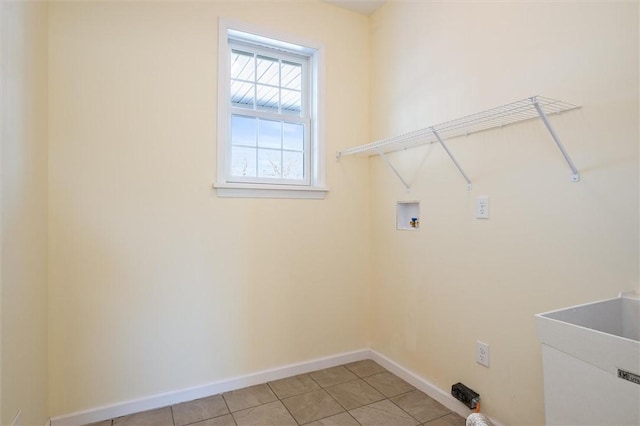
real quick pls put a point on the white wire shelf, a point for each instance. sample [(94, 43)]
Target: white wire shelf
[(515, 112)]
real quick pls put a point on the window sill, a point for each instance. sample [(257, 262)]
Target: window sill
[(240, 190)]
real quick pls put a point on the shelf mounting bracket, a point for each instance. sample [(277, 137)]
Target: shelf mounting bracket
[(575, 175), (386, 160), (444, 146)]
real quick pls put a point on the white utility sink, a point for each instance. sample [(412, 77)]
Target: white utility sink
[(591, 360)]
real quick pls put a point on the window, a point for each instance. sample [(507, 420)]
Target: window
[(269, 119), (270, 122)]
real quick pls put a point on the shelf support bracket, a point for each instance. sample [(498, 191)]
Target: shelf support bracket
[(575, 175), (386, 160), (444, 146)]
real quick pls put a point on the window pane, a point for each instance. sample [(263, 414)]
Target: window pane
[(268, 70), (243, 161), (293, 165), (293, 136), (268, 98), (243, 130), (291, 75), (269, 134), (269, 163), (269, 114), (291, 102), (242, 66), (242, 94)]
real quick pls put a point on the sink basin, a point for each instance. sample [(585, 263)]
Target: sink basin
[(619, 317), (591, 360)]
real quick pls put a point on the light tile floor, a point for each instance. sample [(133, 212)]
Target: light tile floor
[(359, 393)]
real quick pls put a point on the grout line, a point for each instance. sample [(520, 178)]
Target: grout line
[(289, 411), (335, 400), (348, 381), (228, 409), (314, 380), (282, 403), (225, 403), (436, 418), (351, 381), (304, 393), (409, 391), (273, 391), (403, 410), (173, 419), (342, 412), (201, 420), (354, 419)]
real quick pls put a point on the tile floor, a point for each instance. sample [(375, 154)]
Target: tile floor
[(359, 393)]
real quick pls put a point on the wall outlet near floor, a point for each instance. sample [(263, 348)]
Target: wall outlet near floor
[(482, 353)]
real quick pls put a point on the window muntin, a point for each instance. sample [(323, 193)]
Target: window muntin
[(263, 148), (269, 116)]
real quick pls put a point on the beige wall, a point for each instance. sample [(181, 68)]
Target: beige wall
[(156, 284), (24, 211), (549, 242)]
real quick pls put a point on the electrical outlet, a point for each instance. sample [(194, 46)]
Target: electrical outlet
[(482, 207), (482, 353)]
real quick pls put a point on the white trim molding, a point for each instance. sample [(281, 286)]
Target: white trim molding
[(422, 384), (170, 398), (269, 191)]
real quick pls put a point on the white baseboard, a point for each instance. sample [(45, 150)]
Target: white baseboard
[(165, 399), (170, 398), (425, 386)]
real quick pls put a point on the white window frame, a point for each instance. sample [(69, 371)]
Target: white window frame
[(270, 188)]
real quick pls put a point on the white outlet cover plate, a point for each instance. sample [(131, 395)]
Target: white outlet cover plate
[(482, 353), (482, 207)]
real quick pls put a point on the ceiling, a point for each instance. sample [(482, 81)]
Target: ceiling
[(366, 7)]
